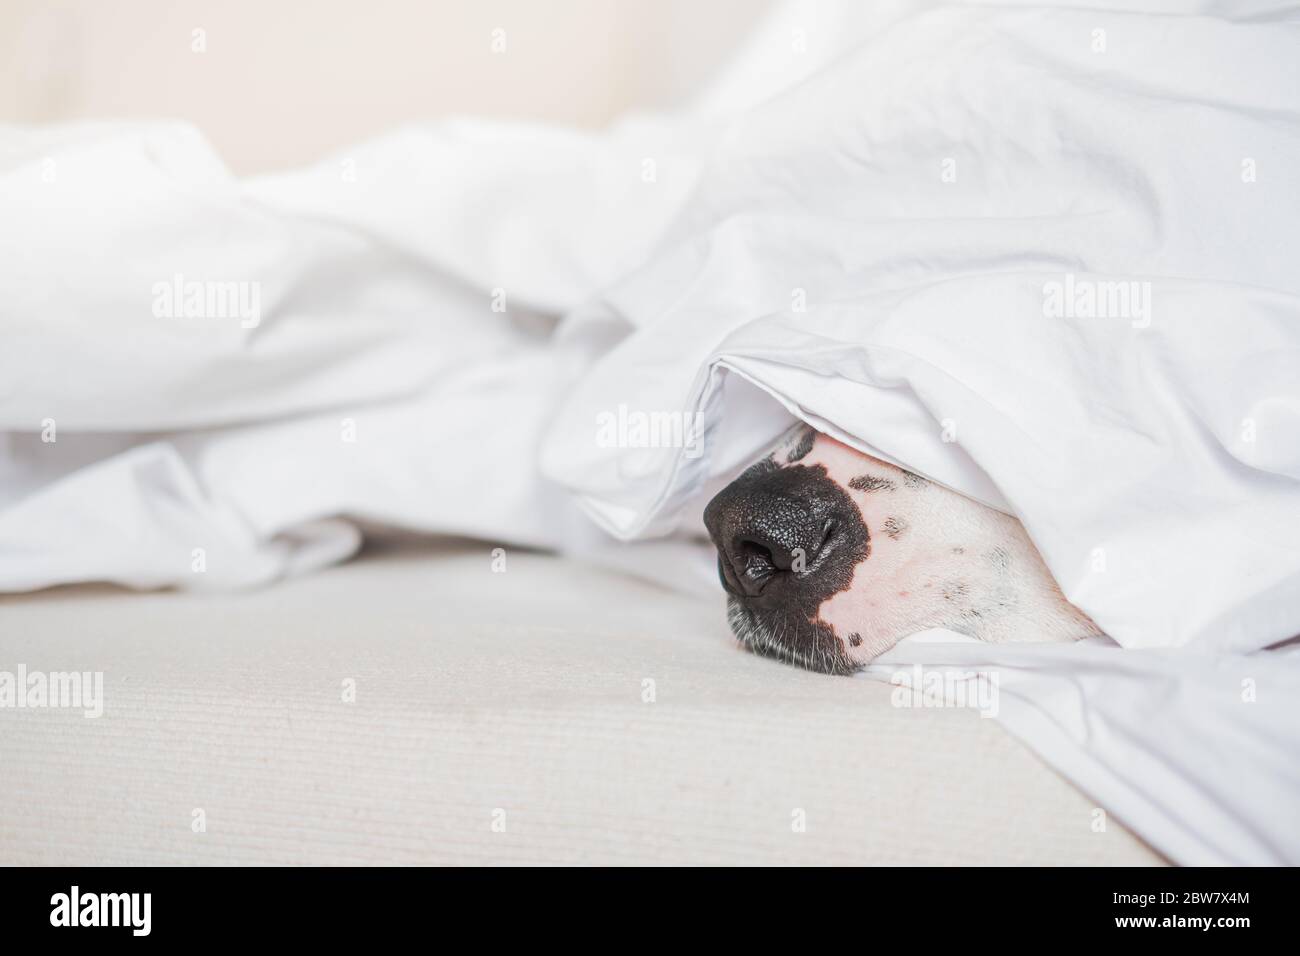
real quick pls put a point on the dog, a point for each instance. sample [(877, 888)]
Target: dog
[(829, 557)]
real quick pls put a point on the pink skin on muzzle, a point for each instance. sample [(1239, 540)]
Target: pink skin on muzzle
[(830, 557)]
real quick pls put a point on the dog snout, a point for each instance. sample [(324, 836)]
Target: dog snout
[(771, 528)]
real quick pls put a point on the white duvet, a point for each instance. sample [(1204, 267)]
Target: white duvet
[(1045, 256)]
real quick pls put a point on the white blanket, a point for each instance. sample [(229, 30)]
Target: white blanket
[(1042, 256)]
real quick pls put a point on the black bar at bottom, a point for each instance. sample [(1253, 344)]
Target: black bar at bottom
[(335, 906)]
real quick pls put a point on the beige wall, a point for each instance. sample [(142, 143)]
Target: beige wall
[(281, 81)]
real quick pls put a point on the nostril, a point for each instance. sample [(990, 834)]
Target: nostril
[(772, 531), (756, 562), (757, 566), (828, 529)]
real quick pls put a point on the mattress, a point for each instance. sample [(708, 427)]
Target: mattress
[(441, 705)]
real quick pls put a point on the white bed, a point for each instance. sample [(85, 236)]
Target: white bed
[(476, 691)]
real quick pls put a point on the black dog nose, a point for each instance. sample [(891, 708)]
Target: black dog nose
[(769, 526)]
